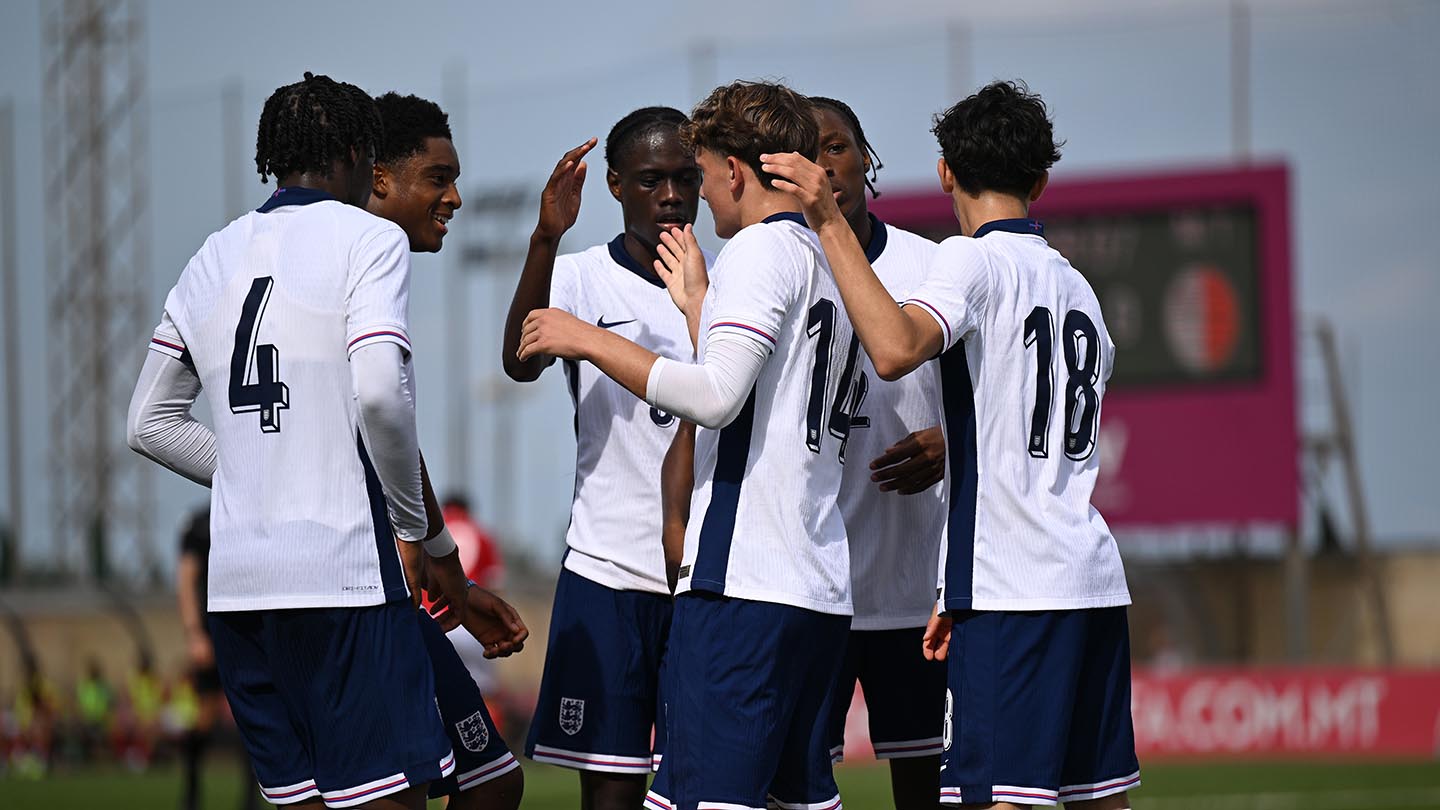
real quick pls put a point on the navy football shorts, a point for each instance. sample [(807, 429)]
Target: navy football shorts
[(1038, 707)]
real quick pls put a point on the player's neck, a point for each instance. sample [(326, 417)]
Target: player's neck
[(643, 254), (860, 223), (756, 205), (334, 185), (974, 211)]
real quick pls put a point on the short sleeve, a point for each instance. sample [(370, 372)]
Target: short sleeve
[(956, 288), (378, 292), (754, 282), (166, 339), (565, 283)]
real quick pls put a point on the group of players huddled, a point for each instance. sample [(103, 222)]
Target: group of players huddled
[(772, 476)]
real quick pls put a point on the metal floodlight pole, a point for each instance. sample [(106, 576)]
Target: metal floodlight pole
[(1240, 80), (96, 149)]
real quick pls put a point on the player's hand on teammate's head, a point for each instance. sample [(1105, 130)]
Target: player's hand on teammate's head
[(682, 267), (802, 178), (936, 643), (560, 200), (494, 623), (554, 333), (913, 464)]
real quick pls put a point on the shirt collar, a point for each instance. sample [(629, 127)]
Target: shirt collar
[(293, 195), (622, 257), (1030, 227), (879, 235), (793, 216)]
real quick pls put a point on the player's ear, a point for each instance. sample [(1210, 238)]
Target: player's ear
[(379, 181), (612, 179), (947, 180), (737, 177), (1039, 187)]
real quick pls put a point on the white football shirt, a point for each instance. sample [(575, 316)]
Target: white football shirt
[(620, 440), (268, 312), (1025, 360), (764, 522), (894, 539)]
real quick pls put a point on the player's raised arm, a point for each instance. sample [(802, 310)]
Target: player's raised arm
[(897, 340), (559, 207)]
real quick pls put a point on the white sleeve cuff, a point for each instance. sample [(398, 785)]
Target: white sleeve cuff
[(711, 393), (441, 544)]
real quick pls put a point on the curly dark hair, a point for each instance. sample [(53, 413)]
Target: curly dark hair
[(843, 110), (408, 121), (629, 130), (307, 126), (999, 139), (748, 119)]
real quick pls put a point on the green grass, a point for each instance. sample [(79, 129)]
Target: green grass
[(1229, 786)]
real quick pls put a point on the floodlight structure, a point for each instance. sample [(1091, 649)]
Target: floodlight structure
[(96, 130)]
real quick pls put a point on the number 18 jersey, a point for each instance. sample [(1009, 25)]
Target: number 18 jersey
[(1023, 371), (764, 520), (267, 313)]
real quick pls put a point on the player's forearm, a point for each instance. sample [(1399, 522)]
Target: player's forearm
[(677, 482), (387, 426), (159, 425), (619, 359), (712, 393), (532, 292), (895, 344)]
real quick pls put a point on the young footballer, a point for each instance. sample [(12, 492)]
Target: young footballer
[(414, 186), (293, 320), (599, 694), (1038, 708), (894, 512), (764, 588)]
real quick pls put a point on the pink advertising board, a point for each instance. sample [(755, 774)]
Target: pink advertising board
[(1192, 268)]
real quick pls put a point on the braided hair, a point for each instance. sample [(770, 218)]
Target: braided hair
[(872, 159), (307, 126), (632, 128), (408, 121)]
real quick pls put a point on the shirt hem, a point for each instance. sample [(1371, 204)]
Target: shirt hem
[(602, 572), (774, 597), (874, 623), (1040, 603), (238, 605)]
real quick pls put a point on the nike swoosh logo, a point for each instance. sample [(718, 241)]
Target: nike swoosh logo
[(603, 325)]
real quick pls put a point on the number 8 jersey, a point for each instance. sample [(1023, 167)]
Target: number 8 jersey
[(1023, 371), (267, 314), (764, 520)]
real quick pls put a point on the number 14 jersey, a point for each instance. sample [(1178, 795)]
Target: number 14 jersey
[(764, 520), (1023, 371), (267, 313)]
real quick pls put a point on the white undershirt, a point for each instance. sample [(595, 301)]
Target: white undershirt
[(712, 392)]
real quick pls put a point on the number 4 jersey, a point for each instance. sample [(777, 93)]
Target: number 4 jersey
[(267, 313), (764, 522), (1023, 371)]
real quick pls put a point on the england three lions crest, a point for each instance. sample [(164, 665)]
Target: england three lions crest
[(572, 715), (474, 734)]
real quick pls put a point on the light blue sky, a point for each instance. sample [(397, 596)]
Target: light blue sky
[(1343, 91)]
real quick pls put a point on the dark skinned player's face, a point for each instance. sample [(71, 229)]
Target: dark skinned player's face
[(844, 161), (418, 193), (658, 187)]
